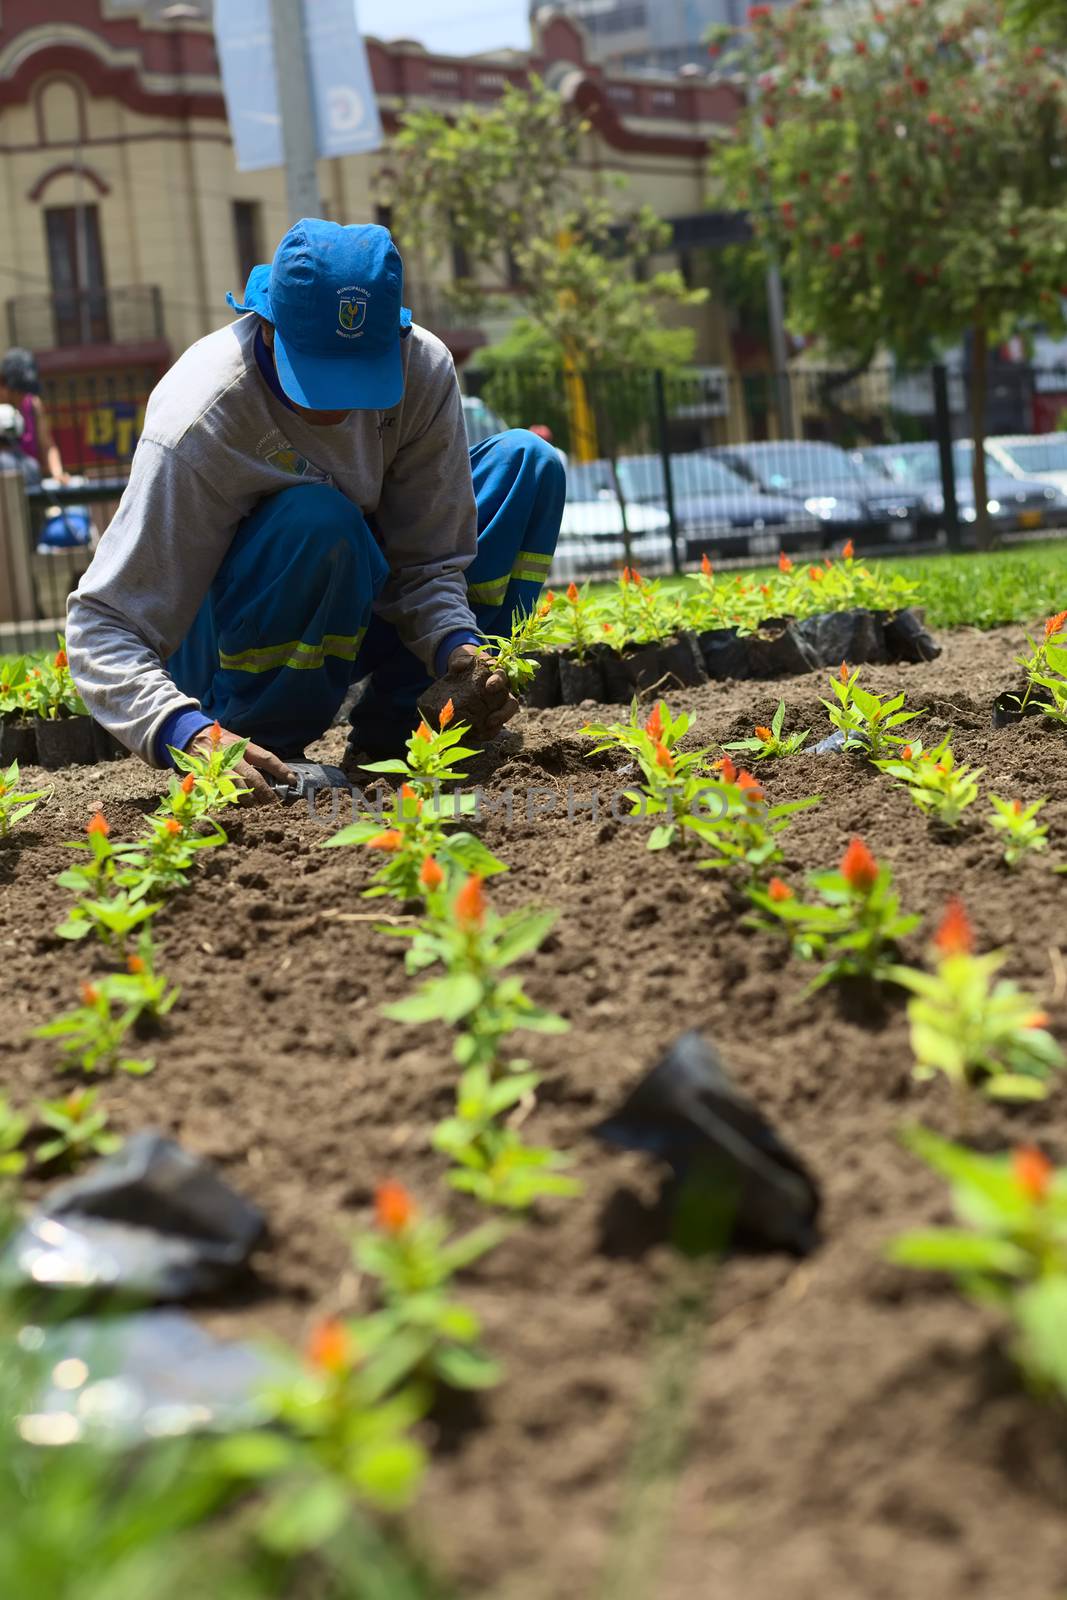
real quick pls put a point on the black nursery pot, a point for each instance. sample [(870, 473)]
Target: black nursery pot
[(1008, 707), (724, 654), (907, 637), (66, 742), (581, 680), (544, 690), (779, 651), (18, 742), (619, 676), (668, 664), (834, 636)]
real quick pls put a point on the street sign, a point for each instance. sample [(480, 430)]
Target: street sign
[(342, 91)]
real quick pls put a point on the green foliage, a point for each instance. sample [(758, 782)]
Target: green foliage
[(78, 1126), (208, 784), (940, 786), (855, 925), (492, 1161), (49, 690), (530, 632), (769, 744), (866, 719), (94, 1032), (1010, 1249), (1046, 671), (112, 920), (14, 806), (13, 1130), (1023, 834), (980, 1031)]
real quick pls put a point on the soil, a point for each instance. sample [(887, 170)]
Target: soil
[(827, 1429)]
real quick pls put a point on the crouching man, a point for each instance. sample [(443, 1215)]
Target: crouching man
[(303, 511)]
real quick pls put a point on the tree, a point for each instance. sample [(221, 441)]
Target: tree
[(909, 165), (504, 183)]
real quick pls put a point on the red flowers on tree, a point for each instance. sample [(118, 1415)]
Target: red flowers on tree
[(859, 868)]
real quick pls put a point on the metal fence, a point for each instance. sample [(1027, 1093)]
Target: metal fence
[(661, 469)]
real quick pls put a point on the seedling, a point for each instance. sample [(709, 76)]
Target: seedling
[(855, 925), (13, 1130), (492, 1161), (208, 785), (768, 743), (162, 861), (113, 920), (1046, 670), (15, 806), (978, 1031), (741, 828), (421, 1331), (941, 786), (1010, 1249), (867, 720), (141, 990), (79, 1126), (477, 995), (412, 836), (575, 621), (95, 1031), (52, 689), (530, 632), (1023, 834)]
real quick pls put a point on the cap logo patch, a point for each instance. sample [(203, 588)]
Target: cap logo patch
[(351, 314)]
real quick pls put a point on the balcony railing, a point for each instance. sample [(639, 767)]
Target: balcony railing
[(131, 315)]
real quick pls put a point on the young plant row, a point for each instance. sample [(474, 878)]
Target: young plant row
[(638, 611), (39, 685)]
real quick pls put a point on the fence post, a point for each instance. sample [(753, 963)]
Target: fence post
[(665, 457), (17, 598), (943, 433)]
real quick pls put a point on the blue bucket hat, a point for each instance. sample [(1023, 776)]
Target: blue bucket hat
[(333, 295)]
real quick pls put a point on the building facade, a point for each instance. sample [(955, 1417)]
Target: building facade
[(128, 220), (664, 36)]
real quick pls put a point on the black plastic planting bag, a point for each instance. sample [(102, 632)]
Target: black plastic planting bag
[(724, 654), (65, 742), (908, 638), (152, 1221), (852, 636), (839, 742), (688, 1113), (779, 651), (544, 690), (668, 664), (121, 1380), (581, 680), (18, 742)]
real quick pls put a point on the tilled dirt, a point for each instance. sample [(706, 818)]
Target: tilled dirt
[(837, 1428)]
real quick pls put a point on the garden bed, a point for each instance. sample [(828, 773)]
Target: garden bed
[(853, 1430)]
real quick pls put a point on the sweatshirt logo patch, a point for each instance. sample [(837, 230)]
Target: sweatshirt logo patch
[(291, 461)]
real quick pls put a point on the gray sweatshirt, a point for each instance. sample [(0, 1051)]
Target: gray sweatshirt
[(215, 442)]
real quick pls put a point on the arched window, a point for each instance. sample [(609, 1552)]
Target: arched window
[(61, 111)]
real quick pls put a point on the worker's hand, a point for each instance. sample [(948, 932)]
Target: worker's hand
[(250, 769), (480, 696)]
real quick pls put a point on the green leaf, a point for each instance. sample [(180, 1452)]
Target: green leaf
[(387, 1473), (440, 1000), (523, 935), (306, 1516), (462, 1368), (955, 1250)]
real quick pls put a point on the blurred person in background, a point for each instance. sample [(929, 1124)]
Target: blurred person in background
[(20, 387), (543, 431)]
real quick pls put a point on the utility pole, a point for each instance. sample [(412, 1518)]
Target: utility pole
[(296, 108)]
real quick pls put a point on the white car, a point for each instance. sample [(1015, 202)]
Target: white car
[(591, 539), (1032, 455)]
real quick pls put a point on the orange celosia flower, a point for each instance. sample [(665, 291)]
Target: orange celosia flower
[(448, 711), (607, 627), (135, 965), (471, 903), (330, 1347), (815, 574), (1055, 624), (408, 794), (764, 733), (764, 588), (905, 754), (431, 876), (90, 994), (1033, 1171), (635, 577), (60, 659), (423, 732), (394, 1208), (572, 593), (842, 672), (98, 824), (784, 563), (777, 890), (654, 725), (1017, 808), (172, 826), (188, 783), (858, 867), (550, 598), (389, 841), (214, 734), (1036, 1019), (849, 551), (664, 759), (625, 577), (705, 565), (728, 769), (955, 936)]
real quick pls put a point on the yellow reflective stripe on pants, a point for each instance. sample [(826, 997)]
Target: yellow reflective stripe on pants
[(296, 655), (530, 567)]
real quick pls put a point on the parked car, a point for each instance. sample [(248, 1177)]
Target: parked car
[(482, 422), (1034, 455), (1014, 502), (591, 540), (717, 511), (847, 498)]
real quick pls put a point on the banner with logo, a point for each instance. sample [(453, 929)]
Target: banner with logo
[(342, 90)]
